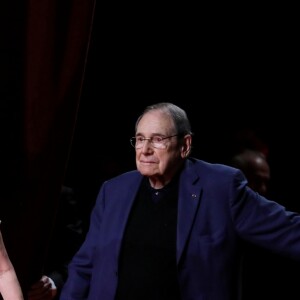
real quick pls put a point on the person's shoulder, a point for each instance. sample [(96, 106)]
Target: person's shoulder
[(125, 177), (205, 166), (220, 173), (122, 183)]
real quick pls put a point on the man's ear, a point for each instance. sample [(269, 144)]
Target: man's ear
[(186, 146)]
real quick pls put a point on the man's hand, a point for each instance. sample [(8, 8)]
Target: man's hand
[(44, 289)]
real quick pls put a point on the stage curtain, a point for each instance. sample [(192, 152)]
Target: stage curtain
[(45, 50)]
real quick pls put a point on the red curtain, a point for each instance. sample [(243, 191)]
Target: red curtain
[(46, 46)]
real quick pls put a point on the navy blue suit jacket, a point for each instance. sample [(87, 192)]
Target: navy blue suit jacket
[(216, 212)]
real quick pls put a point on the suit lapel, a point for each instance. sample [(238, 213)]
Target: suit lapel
[(188, 204)]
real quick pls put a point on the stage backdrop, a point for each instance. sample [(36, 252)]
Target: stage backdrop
[(45, 49)]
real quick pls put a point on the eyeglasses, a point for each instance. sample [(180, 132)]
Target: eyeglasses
[(156, 141)]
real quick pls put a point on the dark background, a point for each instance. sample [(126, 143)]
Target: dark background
[(228, 70)]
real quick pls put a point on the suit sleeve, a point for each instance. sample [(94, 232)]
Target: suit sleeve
[(264, 222)]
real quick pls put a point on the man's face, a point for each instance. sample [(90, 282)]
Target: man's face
[(159, 164), (259, 177)]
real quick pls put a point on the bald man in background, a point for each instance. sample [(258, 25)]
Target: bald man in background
[(256, 168)]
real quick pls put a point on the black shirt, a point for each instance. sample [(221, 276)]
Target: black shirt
[(147, 267)]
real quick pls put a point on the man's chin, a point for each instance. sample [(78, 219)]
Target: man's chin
[(146, 172)]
